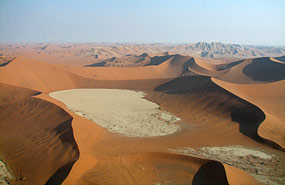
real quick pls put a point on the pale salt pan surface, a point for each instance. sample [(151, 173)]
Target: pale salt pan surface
[(4, 174), (120, 111)]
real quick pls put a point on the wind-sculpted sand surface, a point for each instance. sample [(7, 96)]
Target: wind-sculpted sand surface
[(263, 166), (215, 121), (120, 111)]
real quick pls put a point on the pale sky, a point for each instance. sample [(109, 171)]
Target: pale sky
[(257, 22)]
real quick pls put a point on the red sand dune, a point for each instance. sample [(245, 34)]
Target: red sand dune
[(211, 114), (254, 71), (36, 140)]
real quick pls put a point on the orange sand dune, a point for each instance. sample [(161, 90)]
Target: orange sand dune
[(5, 60), (10, 93), (200, 67), (175, 66), (270, 98), (64, 59), (158, 168), (36, 75), (37, 140), (211, 116), (254, 71), (47, 77)]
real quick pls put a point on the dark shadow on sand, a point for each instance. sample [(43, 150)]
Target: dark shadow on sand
[(60, 174), (265, 70), (211, 173)]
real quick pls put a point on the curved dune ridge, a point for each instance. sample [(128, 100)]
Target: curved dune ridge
[(255, 71), (271, 99), (220, 103)]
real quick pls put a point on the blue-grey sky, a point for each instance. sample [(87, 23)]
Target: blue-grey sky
[(259, 22)]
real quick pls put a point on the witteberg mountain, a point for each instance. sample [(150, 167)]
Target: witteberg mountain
[(218, 50)]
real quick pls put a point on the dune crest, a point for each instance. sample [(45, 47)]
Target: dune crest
[(270, 98)]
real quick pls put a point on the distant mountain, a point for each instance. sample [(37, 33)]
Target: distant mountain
[(101, 52), (219, 50), (200, 49)]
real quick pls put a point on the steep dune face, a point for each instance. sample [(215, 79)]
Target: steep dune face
[(37, 140), (203, 100), (261, 82), (255, 71), (9, 93), (264, 87), (271, 99)]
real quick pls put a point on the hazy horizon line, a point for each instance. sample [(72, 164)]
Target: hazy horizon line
[(139, 43)]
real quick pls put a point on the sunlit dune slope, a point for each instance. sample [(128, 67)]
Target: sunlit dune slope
[(36, 75), (158, 168), (47, 77)]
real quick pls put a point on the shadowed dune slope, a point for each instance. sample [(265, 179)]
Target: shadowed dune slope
[(255, 71), (5, 60), (9, 93), (281, 59), (270, 98), (205, 97), (37, 140)]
